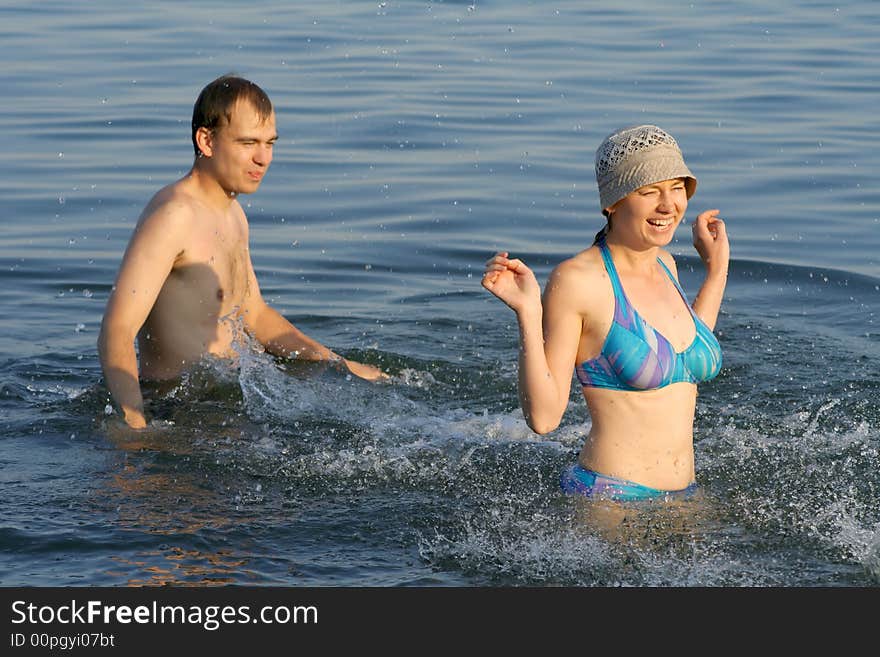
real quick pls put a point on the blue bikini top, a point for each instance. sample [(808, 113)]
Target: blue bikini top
[(635, 356)]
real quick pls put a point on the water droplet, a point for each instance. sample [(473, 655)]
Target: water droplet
[(108, 410)]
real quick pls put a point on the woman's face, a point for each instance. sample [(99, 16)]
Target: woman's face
[(650, 213)]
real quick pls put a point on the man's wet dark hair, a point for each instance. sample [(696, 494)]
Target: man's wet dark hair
[(214, 105)]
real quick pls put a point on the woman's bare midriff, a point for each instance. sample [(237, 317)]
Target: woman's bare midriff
[(643, 436)]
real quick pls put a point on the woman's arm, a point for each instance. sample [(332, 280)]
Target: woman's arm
[(710, 240), (549, 331)]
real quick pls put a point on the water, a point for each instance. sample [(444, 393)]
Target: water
[(416, 139)]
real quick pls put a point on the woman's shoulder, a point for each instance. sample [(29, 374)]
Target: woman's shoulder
[(588, 263), (668, 260), (576, 277)]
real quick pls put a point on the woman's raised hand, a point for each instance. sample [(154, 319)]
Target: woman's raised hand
[(511, 281), (710, 240)]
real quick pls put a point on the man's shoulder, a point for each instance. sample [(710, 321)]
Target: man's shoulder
[(171, 205)]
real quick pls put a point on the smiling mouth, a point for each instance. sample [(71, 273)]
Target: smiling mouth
[(660, 223)]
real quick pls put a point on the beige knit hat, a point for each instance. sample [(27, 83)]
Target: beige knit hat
[(637, 156)]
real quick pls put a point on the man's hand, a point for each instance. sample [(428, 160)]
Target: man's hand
[(367, 372), (135, 419)]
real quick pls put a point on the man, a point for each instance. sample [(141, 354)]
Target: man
[(186, 286)]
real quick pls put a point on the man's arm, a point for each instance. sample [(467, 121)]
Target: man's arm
[(156, 243), (281, 338)]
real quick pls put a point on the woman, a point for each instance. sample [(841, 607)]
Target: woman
[(615, 313)]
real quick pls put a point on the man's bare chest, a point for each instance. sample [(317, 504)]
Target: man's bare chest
[(214, 267)]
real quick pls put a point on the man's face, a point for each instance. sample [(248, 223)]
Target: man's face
[(242, 149)]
